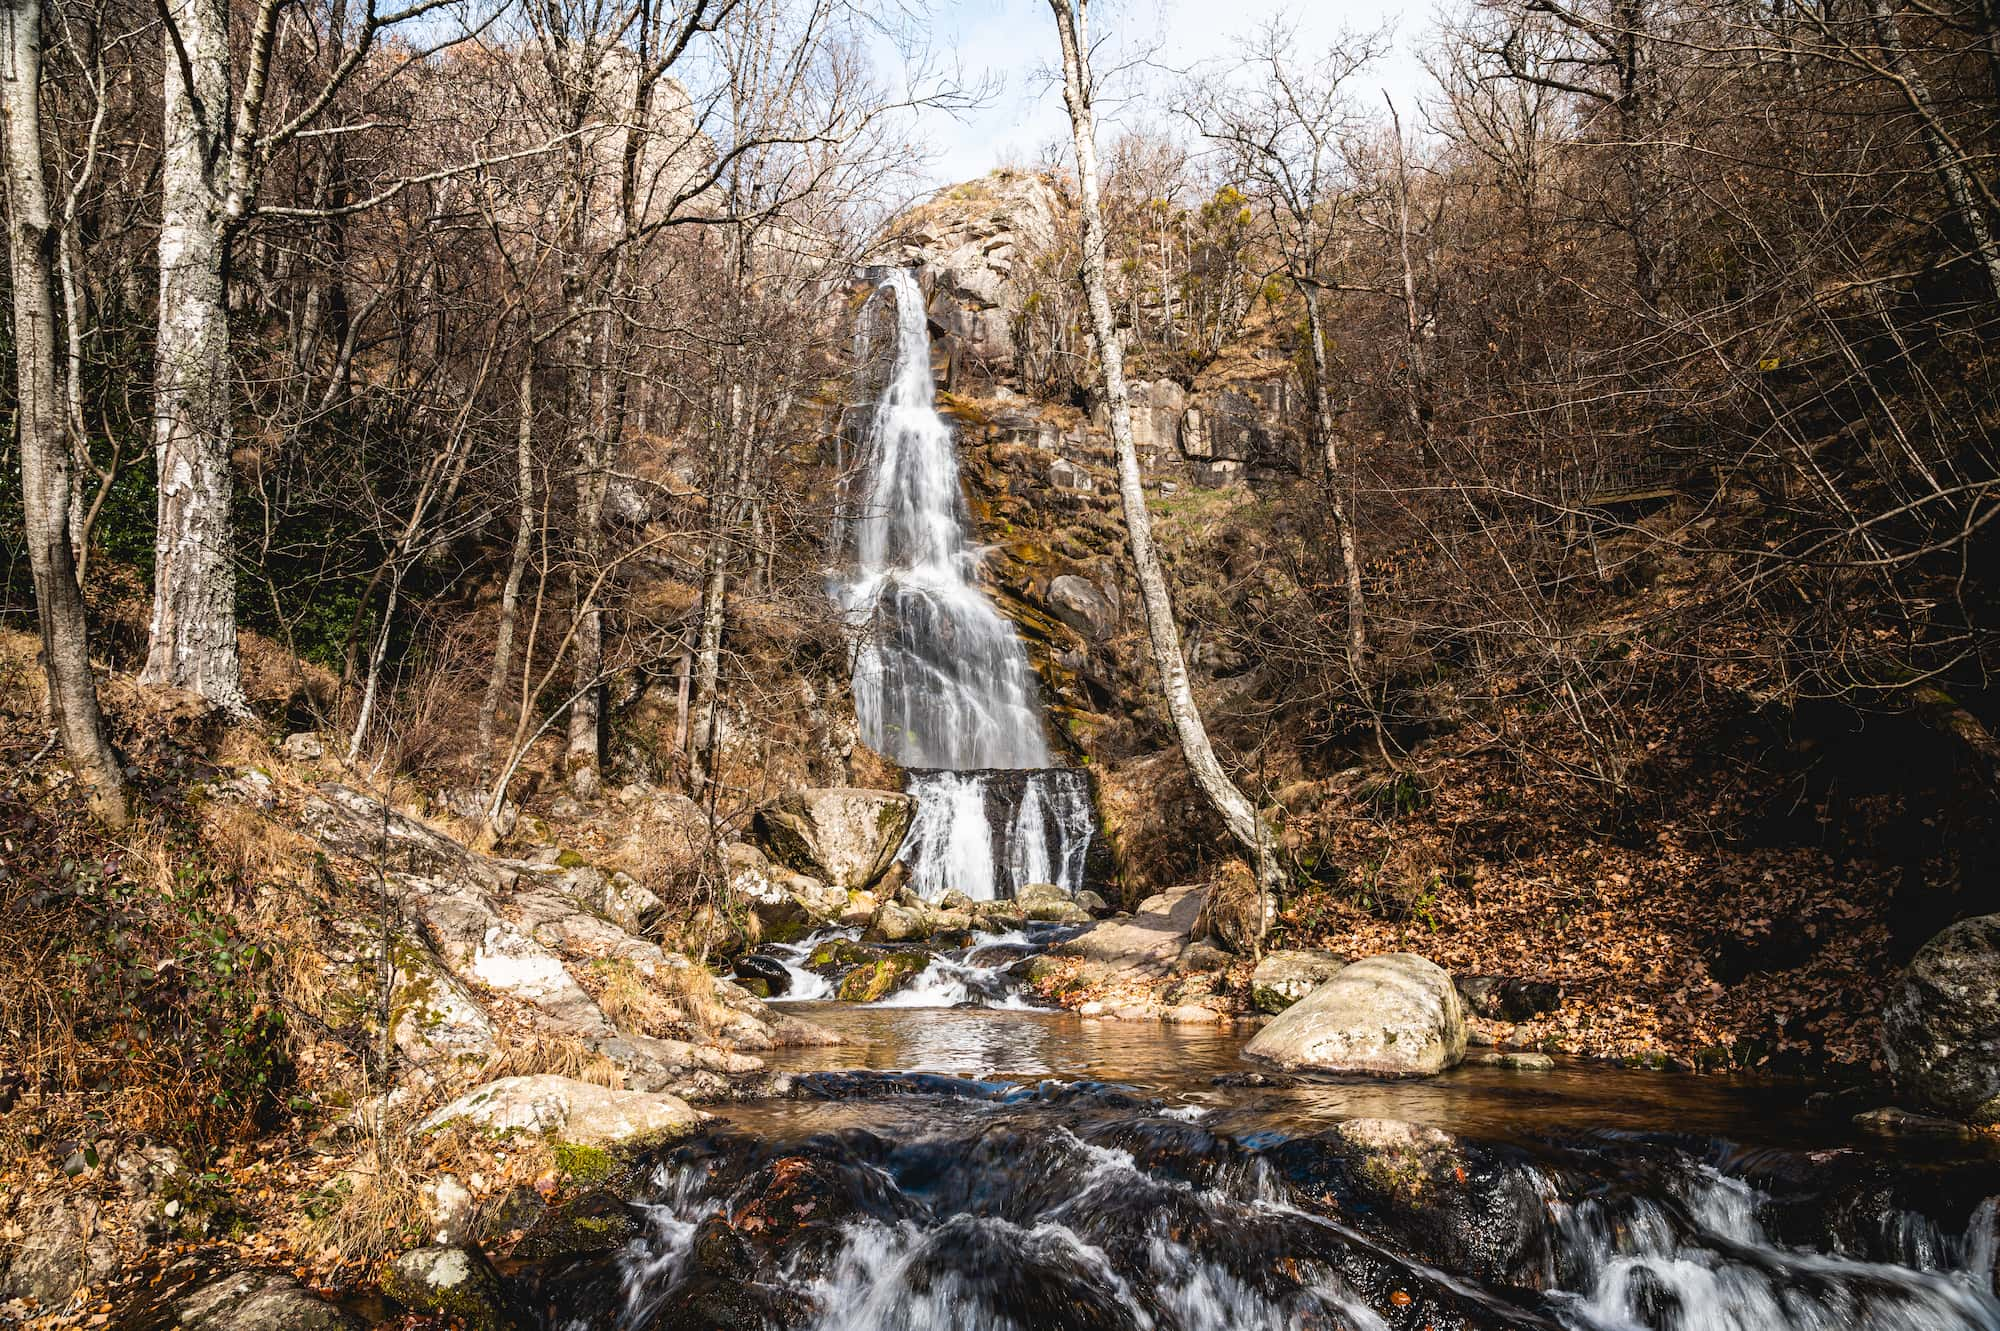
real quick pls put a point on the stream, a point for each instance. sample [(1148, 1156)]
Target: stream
[(986, 1169)]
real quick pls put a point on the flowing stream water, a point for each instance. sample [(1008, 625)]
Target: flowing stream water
[(942, 685), (988, 1170)]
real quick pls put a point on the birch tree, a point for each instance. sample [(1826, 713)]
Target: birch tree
[(214, 150), (1245, 823), (45, 462)]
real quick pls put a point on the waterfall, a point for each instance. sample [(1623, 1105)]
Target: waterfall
[(942, 685)]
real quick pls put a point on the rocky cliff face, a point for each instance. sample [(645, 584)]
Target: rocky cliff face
[(1042, 480), (970, 244), (975, 246)]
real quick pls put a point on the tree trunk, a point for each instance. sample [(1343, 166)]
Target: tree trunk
[(45, 473), (1329, 442), (1241, 817), (517, 565), (1946, 159), (192, 643)]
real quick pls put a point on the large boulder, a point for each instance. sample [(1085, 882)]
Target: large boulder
[(1283, 977), (567, 1109), (1079, 603), (1941, 1028), (878, 979), (255, 1300), (841, 835), (893, 922), (1394, 1015)]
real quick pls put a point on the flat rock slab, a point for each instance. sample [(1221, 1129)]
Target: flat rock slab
[(571, 1110), (1149, 943)]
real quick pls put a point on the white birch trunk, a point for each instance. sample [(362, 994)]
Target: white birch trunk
[(1241, 817), (192, 641), (45, 460)]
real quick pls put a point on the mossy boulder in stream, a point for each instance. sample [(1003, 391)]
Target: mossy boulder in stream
[(453, 1282), (880, 978)]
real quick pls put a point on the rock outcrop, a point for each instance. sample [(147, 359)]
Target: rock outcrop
[(1147, 944), (1394, 1015), (1941, 1028), (1284, 977), (261, 1301), (971, 244), (842, 835)]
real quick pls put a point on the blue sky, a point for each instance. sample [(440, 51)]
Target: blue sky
[(1013, 42)]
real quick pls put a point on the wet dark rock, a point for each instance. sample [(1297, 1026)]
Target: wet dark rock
[(596, 1222), (771, 971), (1894, 1122), (836, 956), (875, 981), (1941, 1028), (1459, 1204), (1505, 998), (1269, 1080)]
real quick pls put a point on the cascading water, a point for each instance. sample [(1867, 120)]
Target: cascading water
[(942, 685), (954, 1204)]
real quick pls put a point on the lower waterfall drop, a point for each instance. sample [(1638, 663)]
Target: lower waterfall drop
[(942, 685)]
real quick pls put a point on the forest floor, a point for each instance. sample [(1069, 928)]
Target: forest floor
[(1681, 935)]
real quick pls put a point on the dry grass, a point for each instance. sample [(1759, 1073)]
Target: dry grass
[(539, 1054), (634, 1001), (374, 1209)]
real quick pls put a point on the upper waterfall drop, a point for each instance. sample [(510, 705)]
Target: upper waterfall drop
[(942, 684), (940, 680)]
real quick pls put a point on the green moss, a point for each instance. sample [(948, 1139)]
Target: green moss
[(871, 983), (569, 859), (584, 1164)]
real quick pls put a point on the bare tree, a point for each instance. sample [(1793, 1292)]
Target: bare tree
[(1284, 125), (1238, 813), (45, 462)]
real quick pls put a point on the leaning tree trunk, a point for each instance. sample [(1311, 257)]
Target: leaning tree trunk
[(45, 490), (1947, 160), (1241, 816), (192, 641)]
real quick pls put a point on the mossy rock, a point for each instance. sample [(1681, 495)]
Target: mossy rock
[(879, 979), (839, 954), (585, 1164), (596, 1222), (569, 859)]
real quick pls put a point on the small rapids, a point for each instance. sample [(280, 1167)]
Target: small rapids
[(983, 972), (987, 1206)]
